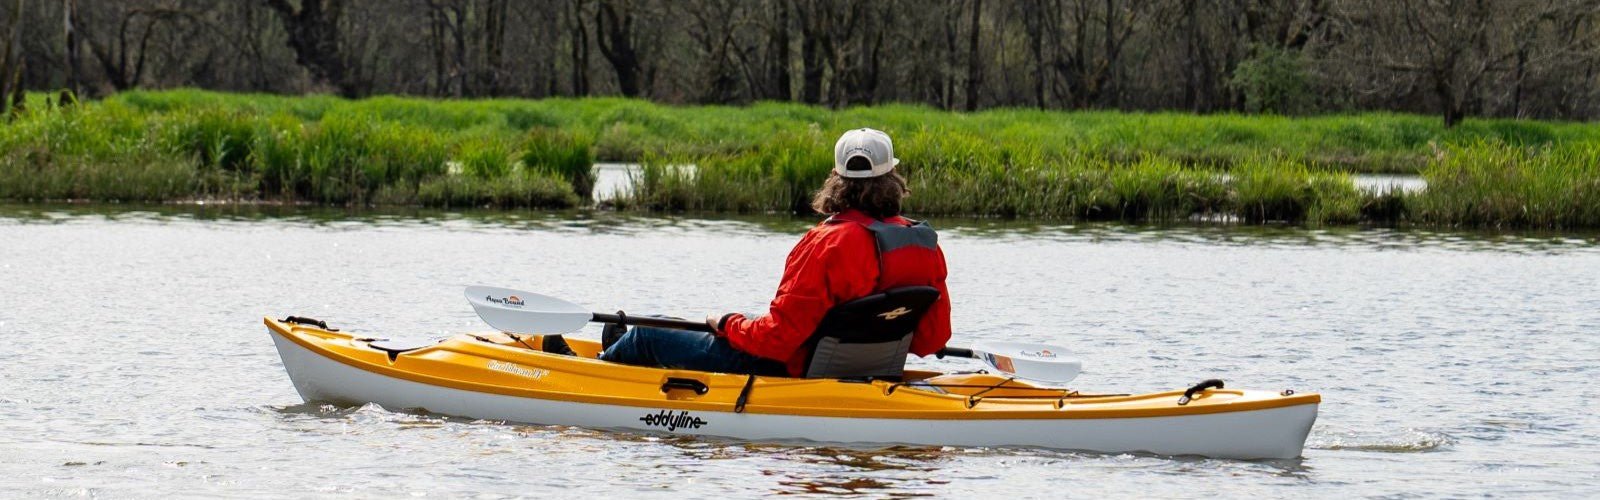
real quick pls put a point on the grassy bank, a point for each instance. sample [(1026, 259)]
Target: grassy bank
[(629, 130), (125, 149), (155, 146)]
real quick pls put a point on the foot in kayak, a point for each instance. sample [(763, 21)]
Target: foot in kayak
[(555, 344)]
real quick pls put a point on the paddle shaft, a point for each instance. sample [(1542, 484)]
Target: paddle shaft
[(698, 326), (956, 352), (658, 322)]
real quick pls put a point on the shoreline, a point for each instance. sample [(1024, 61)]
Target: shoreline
[(783, 222), (209, 147)]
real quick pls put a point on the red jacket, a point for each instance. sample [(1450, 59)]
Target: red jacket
[(837, 261)]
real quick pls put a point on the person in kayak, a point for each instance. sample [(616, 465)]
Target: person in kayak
[(864, 247)]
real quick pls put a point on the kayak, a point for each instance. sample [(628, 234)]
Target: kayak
[(503, 376)]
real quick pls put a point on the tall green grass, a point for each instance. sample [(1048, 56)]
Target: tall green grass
[(1265, 192), (769, 157), (777, 176), (1504, 185), (564, 155), (135, 178), (186, 144), (628, 130)]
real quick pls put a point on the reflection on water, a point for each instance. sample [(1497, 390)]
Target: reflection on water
[(1020, 231), (135, 363)]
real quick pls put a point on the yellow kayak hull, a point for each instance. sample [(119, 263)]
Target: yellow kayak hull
[(500, 377)]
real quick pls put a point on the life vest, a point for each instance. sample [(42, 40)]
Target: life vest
[(908, 250)]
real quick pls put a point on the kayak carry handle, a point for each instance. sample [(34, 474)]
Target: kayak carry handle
[(685, 383), (301, 320), (1210, 383)]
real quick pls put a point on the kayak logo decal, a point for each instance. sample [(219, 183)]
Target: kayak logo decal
[(518, 370), (895, 314), (512, 300), (672, 421), (1042, 353)]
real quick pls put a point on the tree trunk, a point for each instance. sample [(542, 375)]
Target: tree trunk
[(580, 50), (19, 97), (974, 61), (947, 75), (1199, 75), (494, 19), (69, 18), (314, 36), (811, 71), (441, 81), (867, 91), (616, 44), (1449, 102), (1519, 77), (11, 65), (1035, 29), (460, 69), (1453, 114), (778, 56)]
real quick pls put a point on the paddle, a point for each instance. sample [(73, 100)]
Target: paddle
[(1042, 362), (527, 312)]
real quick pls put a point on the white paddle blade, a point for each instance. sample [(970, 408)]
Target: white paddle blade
[(1041, 362), (517, 311)]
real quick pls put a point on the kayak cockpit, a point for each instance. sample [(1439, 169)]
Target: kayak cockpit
[(974, 387)]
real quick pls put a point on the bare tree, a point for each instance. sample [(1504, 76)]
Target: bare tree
[(1088, 39), (123, 58), (1456, 45), (313, 29), (617, 34), (11, 92), (714, 29), (1457, 58), (974, 59)]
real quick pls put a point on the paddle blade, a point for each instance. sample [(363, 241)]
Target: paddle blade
[(1045, 363), (518, 311)]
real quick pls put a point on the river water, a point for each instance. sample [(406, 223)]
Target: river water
[(135, 363)]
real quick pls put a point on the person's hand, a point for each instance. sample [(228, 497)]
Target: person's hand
[(714, 321)]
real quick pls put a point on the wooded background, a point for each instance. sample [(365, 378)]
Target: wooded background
[(1453, 58)]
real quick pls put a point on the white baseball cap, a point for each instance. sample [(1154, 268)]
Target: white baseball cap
[(872, 145)]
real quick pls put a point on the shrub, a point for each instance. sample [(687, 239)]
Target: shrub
[(1273, 80)]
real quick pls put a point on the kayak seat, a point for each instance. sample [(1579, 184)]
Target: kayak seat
[(868, 337)]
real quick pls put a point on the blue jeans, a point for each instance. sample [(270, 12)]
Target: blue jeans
[(687, 350)]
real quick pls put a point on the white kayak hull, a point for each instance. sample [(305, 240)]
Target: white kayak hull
[(1256, 434)]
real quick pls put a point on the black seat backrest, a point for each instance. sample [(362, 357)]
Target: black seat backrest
[(869, 336)]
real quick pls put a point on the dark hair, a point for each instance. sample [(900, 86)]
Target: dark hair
[(878, 197)]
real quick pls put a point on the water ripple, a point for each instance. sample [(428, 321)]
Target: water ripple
[(1409, 441)]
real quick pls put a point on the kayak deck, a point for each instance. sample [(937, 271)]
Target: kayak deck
[(508, 365)]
